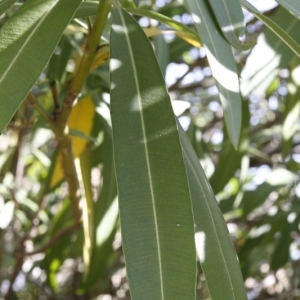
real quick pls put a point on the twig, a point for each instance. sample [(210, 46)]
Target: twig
[(55, 239), (66, 154), (198, 62), (56, 110), (86, 62), (18, 266), (20, 251), (32, 100)]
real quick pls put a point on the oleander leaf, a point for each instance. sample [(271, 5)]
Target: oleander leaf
[(214, 247), (5, 4), (81, 120), (155, 207), (292, 6), (221, 60), (183, 30), (269, 55), (230, 18), (27, 41), (281, 33)]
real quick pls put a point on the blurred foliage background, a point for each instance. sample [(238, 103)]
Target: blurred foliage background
[(257, 185)]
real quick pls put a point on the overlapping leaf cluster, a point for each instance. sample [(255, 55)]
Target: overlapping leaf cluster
[(97, 172)]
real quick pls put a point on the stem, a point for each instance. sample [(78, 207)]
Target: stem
[(55, 239), (59, 125), (32, 100), (64, 144), (86, 62)]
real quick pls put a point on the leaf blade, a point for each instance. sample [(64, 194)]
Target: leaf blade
[(26, 47), (223, 67), (5, 4), (230, 18), (168, 21), (155, 220), (281, 33), (214, 247), (292, 6)]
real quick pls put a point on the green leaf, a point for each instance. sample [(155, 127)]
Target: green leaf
[(292, 6), (55, 255), (166, 20), (281, 33), (229, 162), (84, 177), (28, 39), (277, 178), (105, 214), (177, 47), (229, 158), (162, 52), (281, 253), (155, 208), (230, 18), (87, 9), (290, 118), (5, 4), (215, 249), (58, 62), (221, 60), (269, 55)]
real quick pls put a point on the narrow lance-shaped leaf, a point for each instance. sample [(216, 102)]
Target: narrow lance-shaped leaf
[(155, 209), (105, 212), (184, 30), (292, 6), (27, 41), (229, 158), (291, 114), (59, 60), (87, 9), (81, 120), (281, 33), (230, 18), (5, 4), (221, 61), (215, 249), (269, 55), (83, 167)]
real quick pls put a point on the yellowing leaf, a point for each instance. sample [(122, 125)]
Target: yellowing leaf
[(152, 31), (102, 56), (81, 120)]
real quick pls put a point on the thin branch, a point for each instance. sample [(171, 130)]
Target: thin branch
[(55, 239), (86, 62), (32, 100), (66, 155), (56, 110)]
